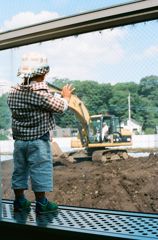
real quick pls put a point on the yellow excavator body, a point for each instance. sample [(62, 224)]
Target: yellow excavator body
[(91, 135)]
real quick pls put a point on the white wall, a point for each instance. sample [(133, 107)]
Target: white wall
[(6, 146), (145, 141), (139, 141)]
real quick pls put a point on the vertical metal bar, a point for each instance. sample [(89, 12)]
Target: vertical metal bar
[(0, 188)]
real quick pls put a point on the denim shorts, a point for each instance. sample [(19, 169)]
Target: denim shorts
[(33, 159)]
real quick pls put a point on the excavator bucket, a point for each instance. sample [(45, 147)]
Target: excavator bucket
[(60, 157), (56, 149)]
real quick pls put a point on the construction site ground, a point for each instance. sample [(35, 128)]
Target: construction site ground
[(130, 185)]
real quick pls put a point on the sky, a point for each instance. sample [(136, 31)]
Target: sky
[(122, 54)]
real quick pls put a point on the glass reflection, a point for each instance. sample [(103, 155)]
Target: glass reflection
[(105, 68)]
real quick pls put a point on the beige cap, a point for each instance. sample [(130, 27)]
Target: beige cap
[(33, 64)]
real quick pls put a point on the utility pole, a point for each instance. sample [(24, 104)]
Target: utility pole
[(129, 107)]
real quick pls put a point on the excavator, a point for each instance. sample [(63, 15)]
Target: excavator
[(90, 135)]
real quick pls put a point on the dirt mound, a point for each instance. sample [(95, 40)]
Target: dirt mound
[(120, 185)]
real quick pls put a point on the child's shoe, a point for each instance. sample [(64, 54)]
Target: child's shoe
[(22, 205), (47, 207)]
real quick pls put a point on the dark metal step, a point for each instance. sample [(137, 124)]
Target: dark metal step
[(81, 223)]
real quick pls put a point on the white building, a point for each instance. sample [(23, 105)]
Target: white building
[(133, 126)]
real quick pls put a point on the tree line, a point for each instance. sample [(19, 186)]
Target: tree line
[(104, 98), (113, 99)]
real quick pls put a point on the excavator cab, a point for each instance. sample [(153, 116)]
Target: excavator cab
[(106, 128), (99, 129)]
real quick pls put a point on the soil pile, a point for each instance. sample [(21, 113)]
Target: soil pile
[(130, 185)]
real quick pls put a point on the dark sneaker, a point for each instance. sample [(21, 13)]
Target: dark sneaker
[(48, 207), (20, 206)]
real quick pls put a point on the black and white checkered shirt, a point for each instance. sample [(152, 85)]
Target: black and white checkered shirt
[(32, 108)]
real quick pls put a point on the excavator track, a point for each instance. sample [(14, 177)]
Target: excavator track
[(109, 155)]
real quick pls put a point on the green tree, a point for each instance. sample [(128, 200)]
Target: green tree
[(103, 98), (118, 104), (94, 95), (148, 86), (148, 92), (5, 115)]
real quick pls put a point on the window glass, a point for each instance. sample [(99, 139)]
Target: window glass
[(114, 71)]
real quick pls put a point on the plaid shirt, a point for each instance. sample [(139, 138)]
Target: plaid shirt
[(32, 108)]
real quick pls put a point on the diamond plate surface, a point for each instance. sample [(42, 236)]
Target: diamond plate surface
[(93, 221)]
